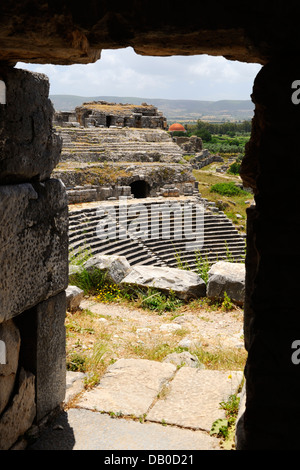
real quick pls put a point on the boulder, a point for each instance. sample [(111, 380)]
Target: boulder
[(74, 296), (227, 277), (116, 267), (183, 359), (184, 284)]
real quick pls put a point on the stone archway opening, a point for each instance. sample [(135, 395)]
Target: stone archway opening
[(140, 189), (108, 121)]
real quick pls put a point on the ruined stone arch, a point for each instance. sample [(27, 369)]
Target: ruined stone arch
[(140, 188)]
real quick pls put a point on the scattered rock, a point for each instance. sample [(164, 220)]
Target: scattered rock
[(143, 330), (188, 343), (74, 384), (183, 359), (227, 277), (116, 267), (74, 296), (102, 320), (169, 327), (185, 284)]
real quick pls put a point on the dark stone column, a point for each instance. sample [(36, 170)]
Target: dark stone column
[(273, 313), (43, 351), (251, 264), (33, 255)]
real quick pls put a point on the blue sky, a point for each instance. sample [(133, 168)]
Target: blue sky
[(122, 72)]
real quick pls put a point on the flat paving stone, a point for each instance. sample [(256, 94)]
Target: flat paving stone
[(80, 429), (129, 387), (193, 398)]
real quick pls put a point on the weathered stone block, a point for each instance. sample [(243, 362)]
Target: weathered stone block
[(194, 398), (28, 146), (125, 387), (227, 277), (185, 284), (115, 267), (18, 418), (33, 245), (43, 351)]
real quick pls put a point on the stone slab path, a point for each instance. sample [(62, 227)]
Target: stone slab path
[(142, 405)]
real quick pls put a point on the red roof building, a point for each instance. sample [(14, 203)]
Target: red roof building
[(177, 127)]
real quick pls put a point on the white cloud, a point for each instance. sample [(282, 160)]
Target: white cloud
[(123, 73)]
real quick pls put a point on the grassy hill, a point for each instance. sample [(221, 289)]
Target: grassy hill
[(174, 110)]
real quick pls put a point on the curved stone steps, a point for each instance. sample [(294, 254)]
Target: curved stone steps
[(220, 238)]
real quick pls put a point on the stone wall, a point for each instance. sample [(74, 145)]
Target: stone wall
[(33, 257), (98, 164), (189, 145), (102, 181), (272, 320), (105, 114)]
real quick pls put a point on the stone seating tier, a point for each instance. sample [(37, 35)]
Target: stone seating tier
[(219, 240), (96, 144)]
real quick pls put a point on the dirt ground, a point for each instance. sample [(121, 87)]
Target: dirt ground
[(124, 331)]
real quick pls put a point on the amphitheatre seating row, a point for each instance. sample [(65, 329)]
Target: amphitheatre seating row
[(92, 144), (218, 239)]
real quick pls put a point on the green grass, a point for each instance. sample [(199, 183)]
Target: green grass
[(230, 205), (95, 283), (228, 189), (227, 144)]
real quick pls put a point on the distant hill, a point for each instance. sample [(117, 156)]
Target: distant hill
[(173, 110)]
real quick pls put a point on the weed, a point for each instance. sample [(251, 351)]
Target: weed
[(153, 299), (180, 263), (142, 418), (157, 352), (203, 265), (76, 362), (79, 257), (224, 428), (95, 283), (229, 256), (227, 304), (220, 428), (221, 358), (95, 365), (231, 408)]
